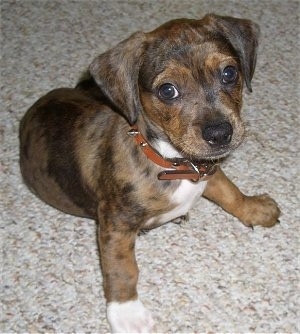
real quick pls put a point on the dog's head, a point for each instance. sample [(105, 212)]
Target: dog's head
[(185, 80)]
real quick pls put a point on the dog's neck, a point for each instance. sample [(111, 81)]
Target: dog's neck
[(166, 150), (177, 166), (157, 139)]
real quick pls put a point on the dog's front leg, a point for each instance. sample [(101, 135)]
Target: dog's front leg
[(125, 312), (251, 210)]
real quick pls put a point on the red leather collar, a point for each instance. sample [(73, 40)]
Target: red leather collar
[(178, 169)]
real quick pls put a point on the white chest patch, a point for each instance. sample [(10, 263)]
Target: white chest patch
[(184, 197), (186, 194)]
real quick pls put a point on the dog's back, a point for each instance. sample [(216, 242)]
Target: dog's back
[(48, 135)]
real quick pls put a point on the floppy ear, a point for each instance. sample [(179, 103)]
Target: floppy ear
[(243, 36), (116, 72)]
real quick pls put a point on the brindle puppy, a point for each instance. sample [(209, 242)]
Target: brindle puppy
[(179, 90)]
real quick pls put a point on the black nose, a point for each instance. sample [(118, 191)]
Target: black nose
[(218, 134)]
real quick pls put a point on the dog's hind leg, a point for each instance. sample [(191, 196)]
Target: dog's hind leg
[(250, 210)]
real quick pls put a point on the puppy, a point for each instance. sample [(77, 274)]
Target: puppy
[(135, 144)]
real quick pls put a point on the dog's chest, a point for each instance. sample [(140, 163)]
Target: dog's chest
[(183, 198)]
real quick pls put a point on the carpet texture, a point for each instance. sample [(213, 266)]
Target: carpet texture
[(209, 275)]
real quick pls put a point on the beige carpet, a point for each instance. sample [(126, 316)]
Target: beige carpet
[(210, 275)]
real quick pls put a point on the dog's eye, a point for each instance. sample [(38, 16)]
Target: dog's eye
[(168, 92), (229, 75)]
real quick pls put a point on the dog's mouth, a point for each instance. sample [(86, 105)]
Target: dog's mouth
[(206, 154), (219, 153)]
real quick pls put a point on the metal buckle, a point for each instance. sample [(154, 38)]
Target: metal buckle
[(194, 167), (133, 133)]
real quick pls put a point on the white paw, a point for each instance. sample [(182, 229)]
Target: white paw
[(129, 317)]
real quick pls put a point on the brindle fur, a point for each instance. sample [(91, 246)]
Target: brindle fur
[(75, 154)]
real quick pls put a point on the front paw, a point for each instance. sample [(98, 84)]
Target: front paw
[(259, 210), (129, 317)]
